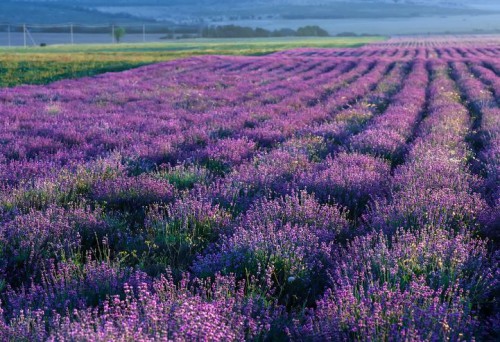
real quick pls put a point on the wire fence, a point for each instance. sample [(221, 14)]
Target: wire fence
[(16, 35)]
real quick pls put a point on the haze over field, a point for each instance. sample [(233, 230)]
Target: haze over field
[(356, 16)]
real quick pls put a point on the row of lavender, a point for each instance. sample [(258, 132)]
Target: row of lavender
[(491, 40), (443, 52), (224, 198), (421, 274), (92, 122)]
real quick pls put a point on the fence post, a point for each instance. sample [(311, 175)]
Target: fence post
[(24, 34), (113, 34), (72, 36), (143, 33), (8, 35)]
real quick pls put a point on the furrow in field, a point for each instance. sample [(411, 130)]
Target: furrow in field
[(345, 122), (387, 136), (163, 134), (348, 178), (484, 141), (434, 186), (488, 77), (434, 197), (64, 131), (276, 170)]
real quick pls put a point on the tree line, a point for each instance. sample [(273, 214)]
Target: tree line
[(235, 31)]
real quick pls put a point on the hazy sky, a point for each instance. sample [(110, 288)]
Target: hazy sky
[(208, 2), (335, 16), (469, 3)]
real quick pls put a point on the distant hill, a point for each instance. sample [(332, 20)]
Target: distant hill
[(214, 11), (56, 12), (447, 3)]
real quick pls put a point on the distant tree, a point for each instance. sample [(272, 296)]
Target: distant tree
[(284, 32), (260, 32), (119, 33), (311, 31), (234, 31)]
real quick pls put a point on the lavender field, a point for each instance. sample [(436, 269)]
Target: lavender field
[(310, 194)]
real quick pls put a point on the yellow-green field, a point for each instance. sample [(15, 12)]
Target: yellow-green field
[(44, 65)]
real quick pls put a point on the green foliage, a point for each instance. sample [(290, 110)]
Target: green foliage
[(177, 233), (183, 177), (217, 167), (41, 72), (118, 33), (235, 31), (311, 31)]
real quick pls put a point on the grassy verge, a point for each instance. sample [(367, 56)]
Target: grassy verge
[(44, 65)]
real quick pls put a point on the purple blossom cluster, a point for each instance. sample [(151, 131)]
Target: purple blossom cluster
[(287, 239), (311, 194), (155, 310), (412, 286), (388, 133), (481, 91), (462, 49), (439, 153), (349, 179)]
